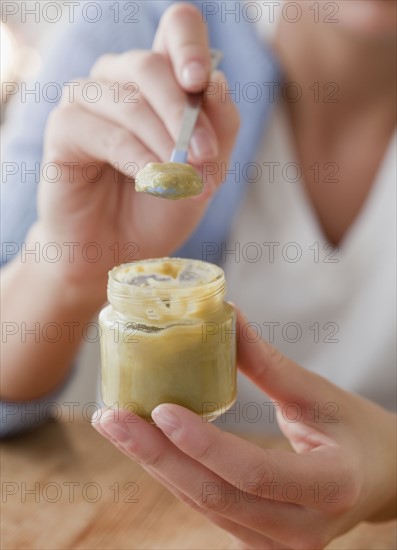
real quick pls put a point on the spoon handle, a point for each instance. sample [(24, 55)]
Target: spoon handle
[(190, 114)]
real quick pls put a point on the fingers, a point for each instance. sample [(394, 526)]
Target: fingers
[(148, 446), (271, 474), (225, 120), (181, 63), (250, 538), (182, 37), (168, 100), (131, 112), (279, 376), (217, 125), (96, 139)]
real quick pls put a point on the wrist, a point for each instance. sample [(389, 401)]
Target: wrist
[(53, 268)]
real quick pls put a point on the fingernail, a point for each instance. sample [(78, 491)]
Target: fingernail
[(194, 74), (116, 430), (203, 144), (166, 420)]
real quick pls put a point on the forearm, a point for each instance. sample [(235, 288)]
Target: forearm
[(43, 321)]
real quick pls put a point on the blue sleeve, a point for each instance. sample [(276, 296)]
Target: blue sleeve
[(16, 418), (70, 55)]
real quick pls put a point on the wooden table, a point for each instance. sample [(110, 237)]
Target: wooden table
[(64, 486)]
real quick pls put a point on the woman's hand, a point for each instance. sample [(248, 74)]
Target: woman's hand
[(89, 215), (342, 471), (92, 209)]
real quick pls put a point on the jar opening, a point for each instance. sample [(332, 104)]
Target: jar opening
[(166, 288)]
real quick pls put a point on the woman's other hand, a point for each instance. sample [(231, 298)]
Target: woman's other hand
[(92, 210), (342, 471)]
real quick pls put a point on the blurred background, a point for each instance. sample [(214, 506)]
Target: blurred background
[(25, 30)]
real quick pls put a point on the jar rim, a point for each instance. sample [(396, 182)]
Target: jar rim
[(219, 275), (127, 292)]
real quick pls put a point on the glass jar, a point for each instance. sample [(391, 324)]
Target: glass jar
[(168, 336)]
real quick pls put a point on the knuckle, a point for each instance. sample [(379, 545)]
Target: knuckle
[(127, 111), (115, 140), (65, 97), (69, 96), (262, 475), (101, 64), (272, 359), (54, 137), (202, 453), (220, 502), (351, 494), (55, 117), (144, 60), (275, 356), (131, 110), (153, 461), (131, 94), (58, 117), (348, 495)]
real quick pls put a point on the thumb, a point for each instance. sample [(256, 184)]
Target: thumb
[(277, 375)]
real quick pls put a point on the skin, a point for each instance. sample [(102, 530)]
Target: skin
[(354, 453), (363, 119)]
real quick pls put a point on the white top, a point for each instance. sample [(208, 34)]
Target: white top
[(332, 311)]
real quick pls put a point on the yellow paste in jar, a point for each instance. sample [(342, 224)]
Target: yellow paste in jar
[(168, 336)]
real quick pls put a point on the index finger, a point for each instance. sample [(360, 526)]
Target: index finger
[(267, 473), (182, 36), (147, 445)]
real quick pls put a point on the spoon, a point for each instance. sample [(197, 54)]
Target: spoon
[(177, 179), (190, 115)]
